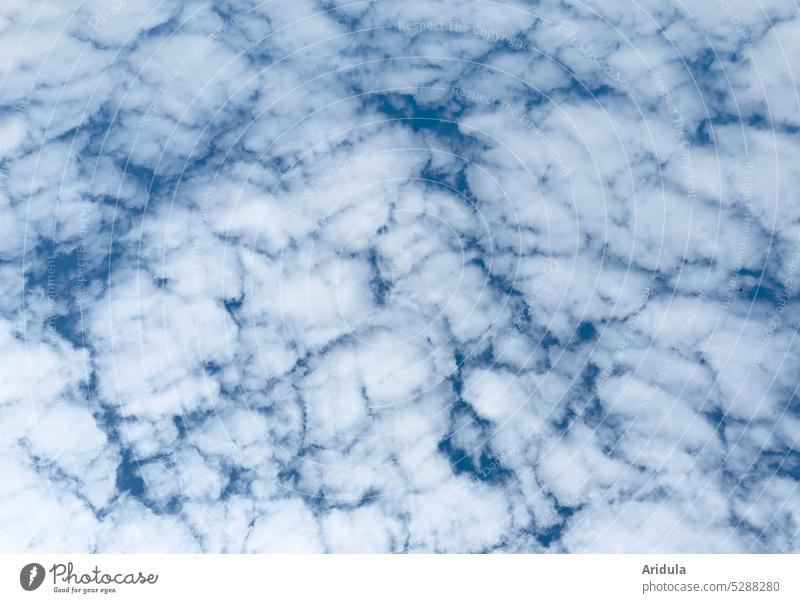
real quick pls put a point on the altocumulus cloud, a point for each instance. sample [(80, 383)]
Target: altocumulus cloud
[(300, 276)]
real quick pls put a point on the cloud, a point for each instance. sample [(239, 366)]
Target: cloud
[(445, 277)]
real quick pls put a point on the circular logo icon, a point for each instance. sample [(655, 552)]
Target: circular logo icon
[(31, 576)]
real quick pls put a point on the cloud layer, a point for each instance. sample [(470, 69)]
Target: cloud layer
[(382, 276)]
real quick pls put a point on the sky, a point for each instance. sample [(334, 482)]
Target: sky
[(425, 276)]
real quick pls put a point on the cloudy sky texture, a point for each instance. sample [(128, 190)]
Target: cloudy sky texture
[(419, 276)]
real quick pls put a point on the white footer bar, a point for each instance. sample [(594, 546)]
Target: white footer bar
[(387, 578)]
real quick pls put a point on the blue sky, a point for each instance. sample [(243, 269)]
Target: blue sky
[(420, 276)]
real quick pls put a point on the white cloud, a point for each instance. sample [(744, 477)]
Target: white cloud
[(398, 276)]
